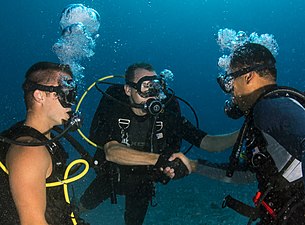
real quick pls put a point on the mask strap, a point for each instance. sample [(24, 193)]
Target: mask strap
[(31, 86)]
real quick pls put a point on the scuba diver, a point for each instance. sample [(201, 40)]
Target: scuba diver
[(139, 128), (49, 93), (271, 143)]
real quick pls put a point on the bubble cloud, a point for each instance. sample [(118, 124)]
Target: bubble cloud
[(229, 39), (79, 30)]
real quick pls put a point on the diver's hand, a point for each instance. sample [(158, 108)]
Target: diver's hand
[(190, 164), (173, 166), (160, 175), (178, 166), (168, 171)]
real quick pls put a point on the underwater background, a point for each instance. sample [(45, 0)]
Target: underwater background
[(180, 35)]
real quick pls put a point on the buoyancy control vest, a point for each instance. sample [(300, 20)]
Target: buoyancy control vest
[(259, 159), (276, 194), (58, 210), (144, 134), (149, 134)]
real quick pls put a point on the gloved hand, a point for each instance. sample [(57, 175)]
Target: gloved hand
[(161, 164), (180, 169)]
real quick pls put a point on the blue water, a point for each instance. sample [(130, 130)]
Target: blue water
[(174, 34)]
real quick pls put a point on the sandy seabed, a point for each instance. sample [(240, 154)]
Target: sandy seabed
[(194, 200)]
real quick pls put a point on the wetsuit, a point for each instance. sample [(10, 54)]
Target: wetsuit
[(275, 151), (275, 145), (57, 210), (160, 134)]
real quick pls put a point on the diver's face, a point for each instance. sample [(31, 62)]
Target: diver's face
[(241, 81), (239, 86), (133, 93), (56, 112), (243, 89)]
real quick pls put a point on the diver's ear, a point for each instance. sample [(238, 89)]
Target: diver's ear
[(38, 96), (127, 90), (249, 77)]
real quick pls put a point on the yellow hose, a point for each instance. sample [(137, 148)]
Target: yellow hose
[(90, 87), (69, 180), (81, 100), (3, 167), (65, 181)]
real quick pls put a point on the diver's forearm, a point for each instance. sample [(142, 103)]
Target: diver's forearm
[(217, 143), (123, 155)]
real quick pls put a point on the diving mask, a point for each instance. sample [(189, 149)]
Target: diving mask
[(66, 90), (226, 80), (148, 86)]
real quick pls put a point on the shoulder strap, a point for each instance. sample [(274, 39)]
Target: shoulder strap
[(20, 130), (282, 91)]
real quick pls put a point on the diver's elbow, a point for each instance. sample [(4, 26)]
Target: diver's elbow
[(108, 157), (108, 149)]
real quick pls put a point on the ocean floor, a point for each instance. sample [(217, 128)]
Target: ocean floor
[(193, 200)]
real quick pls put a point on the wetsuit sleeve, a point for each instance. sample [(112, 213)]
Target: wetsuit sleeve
[(190, 133), (284, 120), (181, 128)]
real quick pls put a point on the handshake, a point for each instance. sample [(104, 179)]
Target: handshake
[(169, 167)]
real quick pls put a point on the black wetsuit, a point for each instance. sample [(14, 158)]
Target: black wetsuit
[(57, 210), (275, 146), (161, 134)]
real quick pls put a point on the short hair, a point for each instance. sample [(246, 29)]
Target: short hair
[(42, 73), (252, 54), (130, 72)]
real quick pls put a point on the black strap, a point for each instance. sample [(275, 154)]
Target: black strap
[(240, 207), (78, 147), (237, 148), (19, 130)]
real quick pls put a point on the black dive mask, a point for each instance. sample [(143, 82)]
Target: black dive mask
[(148, 86), (226, 80), (66, 90)]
